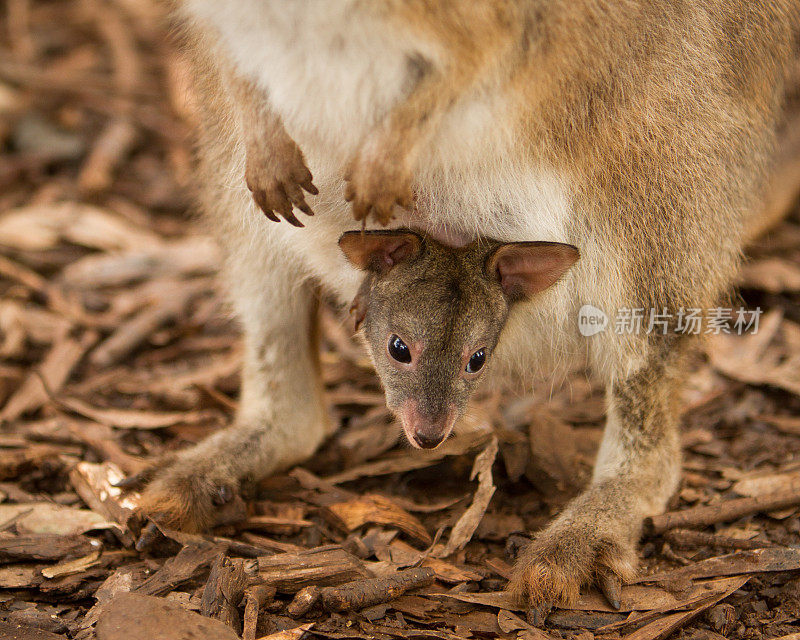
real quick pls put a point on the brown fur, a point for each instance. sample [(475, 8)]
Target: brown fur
[(658, 115)]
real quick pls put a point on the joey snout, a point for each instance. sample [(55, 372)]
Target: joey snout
[(424, 429)]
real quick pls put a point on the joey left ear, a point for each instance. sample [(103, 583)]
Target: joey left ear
[(379, 250), (527, 268)]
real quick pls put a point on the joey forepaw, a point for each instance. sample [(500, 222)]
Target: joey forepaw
[(376, 183), (277, 176)]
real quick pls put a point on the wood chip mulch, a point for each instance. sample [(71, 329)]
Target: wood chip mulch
[(116, 346)]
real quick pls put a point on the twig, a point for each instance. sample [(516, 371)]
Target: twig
[(721, 512), (360, 594), (688, 539), (254, 599), (303, 600)]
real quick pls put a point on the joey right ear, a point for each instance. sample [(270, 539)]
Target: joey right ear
[(379, 250), (524, 269)]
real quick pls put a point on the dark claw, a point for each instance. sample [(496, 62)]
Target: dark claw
[(292, 220), (537, 614), (309, 186), (135, 481), (148, 536), (223, 495), (611, 586), (303, 206), (261, 200)]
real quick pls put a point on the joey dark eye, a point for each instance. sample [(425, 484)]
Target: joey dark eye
[(476, 361), (399, 350)]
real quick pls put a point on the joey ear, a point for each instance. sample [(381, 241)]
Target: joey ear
[(379, 250), (527, 268)]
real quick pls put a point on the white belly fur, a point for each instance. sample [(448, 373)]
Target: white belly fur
[(332, 75)]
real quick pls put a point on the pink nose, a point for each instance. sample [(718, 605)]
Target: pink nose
[(423, 431)]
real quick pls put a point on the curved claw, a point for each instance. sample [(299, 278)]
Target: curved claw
[(611, 586), (537, 614), (135, 481), (147, 537), (309, 186), (292, 219)]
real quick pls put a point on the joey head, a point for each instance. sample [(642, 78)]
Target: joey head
[(432, 315)]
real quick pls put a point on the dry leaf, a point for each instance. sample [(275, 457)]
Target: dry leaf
[(44, 517), (377, 509), (62, 358), (754, 359), (471, 518)]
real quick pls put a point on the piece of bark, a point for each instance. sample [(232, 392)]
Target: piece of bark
[(754, 358), (20, 576), (303, 601), (409, 461), (78, 565), (54, 370), (254, 599), (43, 547), (38, 619), (360, 594), (224, 590), (185, 257), (12, 631), (636, 597), (96, 485), (468, 522), (104, 442), (508, 622), (720, 512), (584, 620), (449, 573), (268, 545), (135, 331), (376, 509), (133, 419), (689, 539), (133, 616), (766, 485), (118, 583), (111, 146), (698, 595), (667, 625), (722, 618), (500, 567), (275, 524), (323, 566), (554, 463), (741, 562), (290, 634), (188, 564), (15, 462)]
